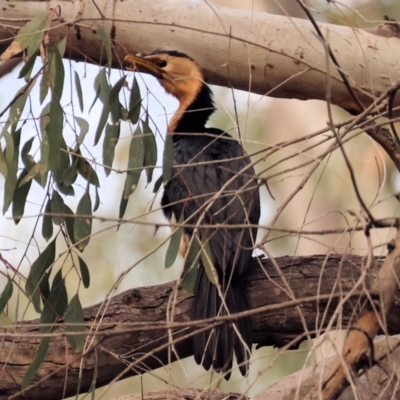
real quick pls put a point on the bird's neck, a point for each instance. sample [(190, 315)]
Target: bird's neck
[(193, 113)]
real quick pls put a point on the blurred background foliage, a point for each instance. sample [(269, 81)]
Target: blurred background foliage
[(263, 122)]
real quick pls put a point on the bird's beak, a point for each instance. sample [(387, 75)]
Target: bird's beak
[(136, 63)]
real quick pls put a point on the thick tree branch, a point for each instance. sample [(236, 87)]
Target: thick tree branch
[(260, 52), (130, 321)]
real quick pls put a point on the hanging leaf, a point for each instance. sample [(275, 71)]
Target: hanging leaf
[(86, 170), (83, 225), (38, 268), (54, 133), (33, 173), (18, 106), (122, 207), (168, 158), (62, 46), (3, 163), (11, 179), (39, 357), (106, 42), (30, 163), (47, 224), (44, 160), (69, 222), (84, 273), (135, 103), (74, 315), (31, 35), (102, 122), (26, 70), (174, 244), (84, 128), (70, 174), (55, 304), (97, 200), (113, 100), (78, 88), (189, 274), (20, 195), (5, 296), (56, 68), (150, 150), (57, 208), (158, 184), (135, 162), (110, 140), (44, 85)]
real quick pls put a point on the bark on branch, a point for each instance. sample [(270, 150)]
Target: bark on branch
[(260, 52), (136, 320)]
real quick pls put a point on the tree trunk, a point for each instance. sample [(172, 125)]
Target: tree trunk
[(136, 319)]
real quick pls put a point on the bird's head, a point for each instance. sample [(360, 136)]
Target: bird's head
[(179, 74)]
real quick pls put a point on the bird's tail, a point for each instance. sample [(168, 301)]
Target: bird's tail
[(216, 347)]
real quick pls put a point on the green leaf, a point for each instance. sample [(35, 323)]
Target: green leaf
[(18, 107), (56, 70), (33, 172), (79, 91), (9, 150), (110, 140), (189, 274), (11, 180), (47, 224), (106, 42), (70, 174), (84, 273), (114, 93), (57, 208), (39, 267), (158, 184), (44, 85), (150, 151), (69, 222), (26, 70), (55, 304), (113, 100), (135, 162), (3, 163), (61, 46), (20, 195), (6, 294), (39, 357), (44, 160), (31, 34), (102, 122), (86, 170), (54, 133), (174, 244), (64, 189), (83, 222), (74, 315), (97, 201), (84, 128), (135, 103), (168, 158), (122, 207)]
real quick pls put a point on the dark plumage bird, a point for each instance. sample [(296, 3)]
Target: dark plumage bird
[(212, 183)]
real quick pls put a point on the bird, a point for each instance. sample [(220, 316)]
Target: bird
[(213, 187)]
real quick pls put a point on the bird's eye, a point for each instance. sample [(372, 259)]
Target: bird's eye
[(161, 63)]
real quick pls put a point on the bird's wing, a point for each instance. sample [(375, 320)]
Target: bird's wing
[(220, 192)]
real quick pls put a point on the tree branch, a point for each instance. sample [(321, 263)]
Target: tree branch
[(259, 52), (136, 321)]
